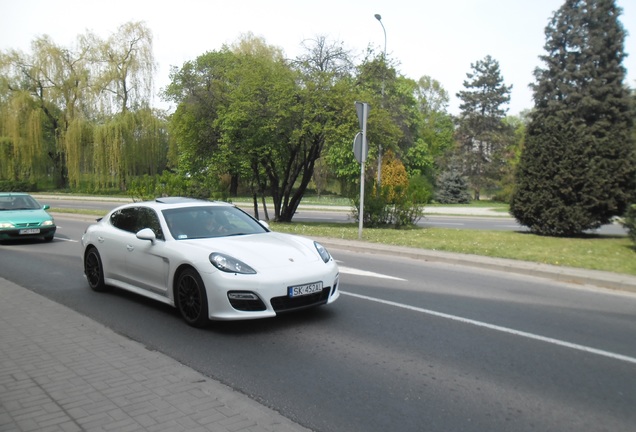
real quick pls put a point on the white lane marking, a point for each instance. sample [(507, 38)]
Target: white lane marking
[(356, 272), (499, 328), (64, 239)]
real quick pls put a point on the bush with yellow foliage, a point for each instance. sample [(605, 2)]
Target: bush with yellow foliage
[(399, 201)]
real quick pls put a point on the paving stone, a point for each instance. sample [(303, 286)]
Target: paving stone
[(61, 371)]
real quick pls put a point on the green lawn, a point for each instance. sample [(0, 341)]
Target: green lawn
[(608, 253)]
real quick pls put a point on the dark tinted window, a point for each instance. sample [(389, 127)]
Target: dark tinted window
[(124, 219), (134, 219), (147, 218)]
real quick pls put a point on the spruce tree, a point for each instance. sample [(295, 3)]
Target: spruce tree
[(452, 188), (577, 170), (481, 132)]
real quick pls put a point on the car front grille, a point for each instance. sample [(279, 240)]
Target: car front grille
[(27, 225), (286, 304)]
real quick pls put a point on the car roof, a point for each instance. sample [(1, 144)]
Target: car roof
[(178, 202), (13, 193)]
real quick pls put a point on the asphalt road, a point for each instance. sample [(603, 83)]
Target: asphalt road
[(410, 345)]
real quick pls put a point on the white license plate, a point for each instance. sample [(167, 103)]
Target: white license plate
[(30, 231), (301, 290)]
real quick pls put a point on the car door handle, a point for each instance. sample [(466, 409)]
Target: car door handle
[(130, 248)]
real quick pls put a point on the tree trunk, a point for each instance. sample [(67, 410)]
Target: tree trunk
[(234, 183), (255, 200), (265, 207)]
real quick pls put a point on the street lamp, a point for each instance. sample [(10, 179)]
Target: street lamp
[(379, 18)]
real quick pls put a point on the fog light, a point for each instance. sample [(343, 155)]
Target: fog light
[(242, 296)]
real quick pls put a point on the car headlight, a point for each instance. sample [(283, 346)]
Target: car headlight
[(229, 264), (323, 252), (47, 223), (5, 225)]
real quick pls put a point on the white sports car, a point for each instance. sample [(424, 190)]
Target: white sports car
[(210, 260)]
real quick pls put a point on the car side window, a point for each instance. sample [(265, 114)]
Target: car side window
[(147, 218), (124, 219), (134, 219)]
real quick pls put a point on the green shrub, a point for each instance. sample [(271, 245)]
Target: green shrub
[(398, 206), (17, 186), (376, 207), (171, 184)]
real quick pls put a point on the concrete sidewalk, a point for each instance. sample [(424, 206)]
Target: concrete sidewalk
[(61, 371)]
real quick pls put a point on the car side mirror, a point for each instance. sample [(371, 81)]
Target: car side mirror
[(264, 224), (147, 234), (46, 207)]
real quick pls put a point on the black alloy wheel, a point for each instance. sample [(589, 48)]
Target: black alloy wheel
[(94, 271), (191, 298)]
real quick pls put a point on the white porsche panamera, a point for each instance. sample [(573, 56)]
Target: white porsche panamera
[(210, 260)]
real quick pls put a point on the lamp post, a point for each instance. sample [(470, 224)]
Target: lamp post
[(379, 18)]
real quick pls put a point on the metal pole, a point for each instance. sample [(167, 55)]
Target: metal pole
[(363, 159), (379, 18)]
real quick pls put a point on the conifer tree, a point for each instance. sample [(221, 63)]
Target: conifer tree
[(577, 169), (452, 187), (481, 132)]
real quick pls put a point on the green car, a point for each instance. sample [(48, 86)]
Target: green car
[(22, 217)]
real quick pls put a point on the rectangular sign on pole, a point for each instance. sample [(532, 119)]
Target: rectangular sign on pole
[(362, 108)]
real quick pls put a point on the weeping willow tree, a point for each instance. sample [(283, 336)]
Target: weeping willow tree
[(80, 115), (77, 140), (126, 78), (22, 143), (128, 145)]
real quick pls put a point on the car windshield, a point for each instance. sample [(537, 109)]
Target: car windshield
[(18, 202), (210, 221)]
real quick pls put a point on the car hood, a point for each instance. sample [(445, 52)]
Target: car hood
[(268, 250), (24, 216)]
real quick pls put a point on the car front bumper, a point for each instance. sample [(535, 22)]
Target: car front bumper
[(267, 294), (22, 233)]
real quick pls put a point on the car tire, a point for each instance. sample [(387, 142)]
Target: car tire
[(191, 299), (49, 238), (94, 270)]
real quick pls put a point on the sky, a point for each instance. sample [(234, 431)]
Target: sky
[(439, 38)]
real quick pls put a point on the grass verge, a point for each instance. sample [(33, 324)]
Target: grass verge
[(608, 253)]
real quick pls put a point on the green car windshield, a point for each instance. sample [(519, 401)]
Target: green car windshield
[(18, 202)]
